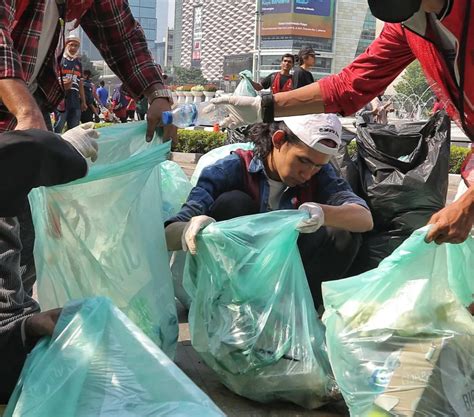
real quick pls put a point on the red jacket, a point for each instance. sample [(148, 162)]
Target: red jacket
[(398, 45)]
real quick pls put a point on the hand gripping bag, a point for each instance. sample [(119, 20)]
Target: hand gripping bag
[(99, 364), (400, 339), (252, 317), (104, 235), (245, 87)]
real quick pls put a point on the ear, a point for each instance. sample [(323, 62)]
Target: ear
[(278, 139)]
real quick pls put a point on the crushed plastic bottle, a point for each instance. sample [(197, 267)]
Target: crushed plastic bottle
[(201, 114)]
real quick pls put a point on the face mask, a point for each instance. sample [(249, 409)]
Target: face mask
[(394, 11)]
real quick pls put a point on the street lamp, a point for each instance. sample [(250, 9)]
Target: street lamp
[(257, 57)]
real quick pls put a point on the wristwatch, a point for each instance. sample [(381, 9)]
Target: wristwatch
[(163, 93)]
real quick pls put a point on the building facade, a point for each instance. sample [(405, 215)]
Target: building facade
[(220, 34), (144, 12)]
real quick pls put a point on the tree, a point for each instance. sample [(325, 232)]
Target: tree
[(414, 82), (191, 75), (87, 65)]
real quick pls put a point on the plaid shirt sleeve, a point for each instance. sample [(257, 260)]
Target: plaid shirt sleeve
[(10, 62), (121, 41)]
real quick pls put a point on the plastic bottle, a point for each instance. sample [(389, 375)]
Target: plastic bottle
[(201, 114)]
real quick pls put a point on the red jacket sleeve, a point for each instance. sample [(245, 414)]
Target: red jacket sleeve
[(369, 74)]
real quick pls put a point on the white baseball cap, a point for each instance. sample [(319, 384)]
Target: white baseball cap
[(312, 128)]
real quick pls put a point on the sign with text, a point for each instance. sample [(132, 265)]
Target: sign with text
[(298, 18)]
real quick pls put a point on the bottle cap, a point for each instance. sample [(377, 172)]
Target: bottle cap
[(167, 118)]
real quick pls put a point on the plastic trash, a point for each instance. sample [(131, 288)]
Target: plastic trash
[(402, 172), (201, 114), (400, 338), (98, 363), (175, 188), (213, 156), (245, 87), (252, 317), (104, 235)]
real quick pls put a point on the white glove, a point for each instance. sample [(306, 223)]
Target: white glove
[(242, 110), (316, 220), (194, 226), (83, 138)]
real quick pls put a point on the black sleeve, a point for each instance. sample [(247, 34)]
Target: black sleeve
[(267, 81), (32, 158)]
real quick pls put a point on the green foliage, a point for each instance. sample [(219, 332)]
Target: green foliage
[(457, 156), (102, 124), (197, 141), (191, 75), (414, 82), (87, 64)]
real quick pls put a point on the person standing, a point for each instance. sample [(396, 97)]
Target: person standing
[(142, 107), (92, 112), (131, 107), (103, 94), (302, 75), (71, 77), (278, 81)]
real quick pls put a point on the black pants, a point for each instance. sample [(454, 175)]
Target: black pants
[(327, 254)]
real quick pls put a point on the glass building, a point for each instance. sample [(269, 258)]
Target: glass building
[(144, 12)]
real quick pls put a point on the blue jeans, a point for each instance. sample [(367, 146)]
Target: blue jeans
[(70, 116)]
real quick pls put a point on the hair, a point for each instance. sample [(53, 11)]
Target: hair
[(261, 135), (87, 72), (302, 56), (288, 56), (102, 83)]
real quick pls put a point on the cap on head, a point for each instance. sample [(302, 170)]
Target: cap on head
[(311, 129), (394, 11), (73, 38)]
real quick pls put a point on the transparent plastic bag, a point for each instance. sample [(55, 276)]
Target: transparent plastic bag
[(400, 339), (175, 188), (245, 87), (252, 317), (104, 235), (98, 363), (213, 156)]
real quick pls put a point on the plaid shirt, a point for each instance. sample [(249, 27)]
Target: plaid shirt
[(108, 23)]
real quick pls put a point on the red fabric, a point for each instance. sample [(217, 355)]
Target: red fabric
[(467, 169), (304, 194), (373, 71), (276, 84), (108, 23)]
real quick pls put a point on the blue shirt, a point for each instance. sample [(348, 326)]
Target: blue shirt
[(226, 175), (103, 95)]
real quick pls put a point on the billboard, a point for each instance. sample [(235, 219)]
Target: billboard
[(298, 18)]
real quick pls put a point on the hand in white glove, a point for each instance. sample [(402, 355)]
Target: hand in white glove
[(194, 226), (83, 138), (316, 220), (242, 110)]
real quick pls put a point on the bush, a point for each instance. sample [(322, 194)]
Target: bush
[(198, 141), (457, 157)]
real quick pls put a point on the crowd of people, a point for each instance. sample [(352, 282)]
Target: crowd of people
[(287, 169), (85, 101)]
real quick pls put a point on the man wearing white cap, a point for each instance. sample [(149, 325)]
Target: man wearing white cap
[(288, 169), (71, 72)]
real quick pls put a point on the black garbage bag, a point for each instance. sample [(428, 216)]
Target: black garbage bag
[(403, 175)]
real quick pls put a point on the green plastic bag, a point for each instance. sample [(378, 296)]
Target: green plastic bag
[(245, 87), (99, 364), (213, 156), (104, 235), (175, 188), (252, 317), (400, 339)]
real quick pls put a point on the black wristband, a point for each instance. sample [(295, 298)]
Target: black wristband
[(268, 108)]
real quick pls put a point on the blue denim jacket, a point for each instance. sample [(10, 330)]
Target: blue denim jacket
[(226, 175)]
